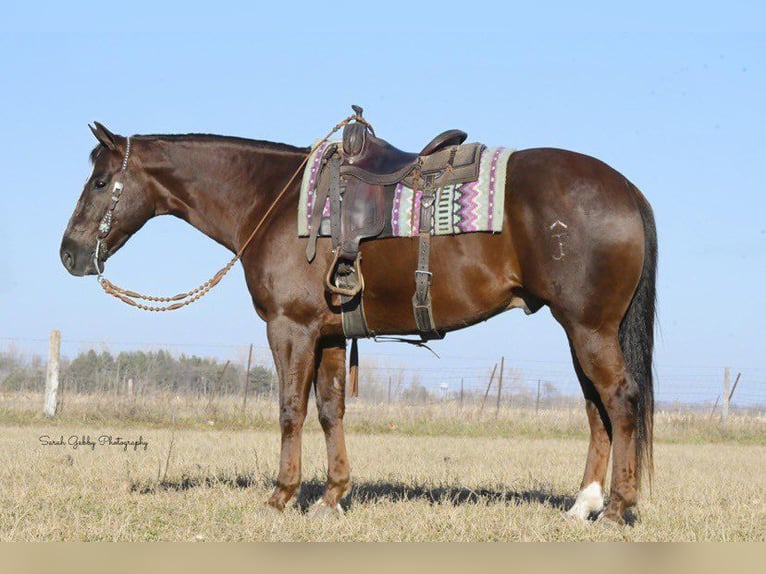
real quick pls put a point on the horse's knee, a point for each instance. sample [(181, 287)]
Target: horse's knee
[(330, 412), (330, 401), (291, 417)]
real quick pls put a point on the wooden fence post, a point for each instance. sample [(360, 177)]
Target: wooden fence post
[(726, 395), (389, 389), (499, 385), (461, 393), (734, 386), (52, 375), (247, 378), (486, 393)]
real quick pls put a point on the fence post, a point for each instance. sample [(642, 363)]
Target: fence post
[(734, 387), (461, 393), (725, 396), (486, 393), (499, 385), (52, 375), (247, 378)]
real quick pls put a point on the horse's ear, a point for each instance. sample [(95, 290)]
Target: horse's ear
[(104, 135)]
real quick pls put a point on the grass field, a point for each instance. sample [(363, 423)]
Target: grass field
[(420, 474)]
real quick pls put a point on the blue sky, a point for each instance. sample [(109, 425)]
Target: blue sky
[(671, 95)]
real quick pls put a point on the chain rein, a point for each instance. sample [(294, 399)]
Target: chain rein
[(187, 298)]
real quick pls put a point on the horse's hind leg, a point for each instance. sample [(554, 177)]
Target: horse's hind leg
[(590, 498), (330, 389), (294, 350), (602, 361)]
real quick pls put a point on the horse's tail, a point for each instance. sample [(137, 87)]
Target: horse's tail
[(637, 342)]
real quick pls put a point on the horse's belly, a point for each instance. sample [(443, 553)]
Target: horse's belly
[(474, 278)]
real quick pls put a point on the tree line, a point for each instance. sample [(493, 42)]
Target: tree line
[(138, 373), (135, 372)]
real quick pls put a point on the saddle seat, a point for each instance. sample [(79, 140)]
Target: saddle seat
[(377, 162)]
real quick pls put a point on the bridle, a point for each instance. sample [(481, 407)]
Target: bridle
[(187, 298), (105, 226)]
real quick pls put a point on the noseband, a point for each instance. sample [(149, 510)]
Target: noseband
[(106, 222)]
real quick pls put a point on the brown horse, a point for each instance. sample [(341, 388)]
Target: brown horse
[(577, 236)]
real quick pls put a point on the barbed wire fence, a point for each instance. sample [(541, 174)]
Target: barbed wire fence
[(141, 370)]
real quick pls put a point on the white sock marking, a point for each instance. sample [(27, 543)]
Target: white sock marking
[(589, 499)]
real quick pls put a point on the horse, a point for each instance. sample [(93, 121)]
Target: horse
[(577, 236)]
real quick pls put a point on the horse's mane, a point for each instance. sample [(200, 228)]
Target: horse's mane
[(212, 138)]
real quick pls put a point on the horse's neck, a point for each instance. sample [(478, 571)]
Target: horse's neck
[(221, 188)]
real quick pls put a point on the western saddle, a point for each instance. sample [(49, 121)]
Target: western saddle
[(359, 175)]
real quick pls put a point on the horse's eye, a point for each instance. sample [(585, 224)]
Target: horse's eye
[(100, 184)]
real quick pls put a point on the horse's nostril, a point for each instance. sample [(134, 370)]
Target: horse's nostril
[(67, 259)]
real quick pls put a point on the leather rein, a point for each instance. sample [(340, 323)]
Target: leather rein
[(181, 300)]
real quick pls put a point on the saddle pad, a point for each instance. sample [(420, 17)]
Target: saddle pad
[(461, 208)]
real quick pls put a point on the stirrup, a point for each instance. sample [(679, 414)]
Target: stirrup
[(340, 290)]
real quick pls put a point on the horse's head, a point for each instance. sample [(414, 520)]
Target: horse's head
[(114, 204)]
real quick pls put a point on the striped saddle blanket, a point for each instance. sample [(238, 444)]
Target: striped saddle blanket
[(460, 208)]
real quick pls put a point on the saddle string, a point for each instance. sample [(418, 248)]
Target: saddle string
[(181, 300)]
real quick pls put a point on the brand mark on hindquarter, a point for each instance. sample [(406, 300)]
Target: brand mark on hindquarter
[(559, 234)]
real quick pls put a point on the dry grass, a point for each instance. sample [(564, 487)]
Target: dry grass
[(439, 419), (406, 487)]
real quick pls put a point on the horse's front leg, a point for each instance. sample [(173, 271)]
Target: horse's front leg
[(294, 350), (330, 396)]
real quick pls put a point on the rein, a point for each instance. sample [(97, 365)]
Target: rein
[(187, 298)]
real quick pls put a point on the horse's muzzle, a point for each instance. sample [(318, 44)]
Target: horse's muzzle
[(76, 259)]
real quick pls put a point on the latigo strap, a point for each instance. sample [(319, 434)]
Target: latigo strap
[(421, 300)]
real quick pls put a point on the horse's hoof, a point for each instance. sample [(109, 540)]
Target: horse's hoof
[(574, 518), (322, 511), (610, 521)]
